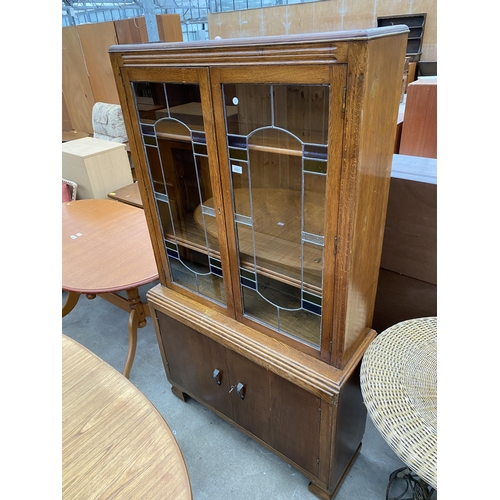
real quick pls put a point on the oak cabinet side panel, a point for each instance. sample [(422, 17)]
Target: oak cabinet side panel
[(380, 88)]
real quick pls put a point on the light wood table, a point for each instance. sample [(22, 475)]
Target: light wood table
[(106, 249), (115, 444)]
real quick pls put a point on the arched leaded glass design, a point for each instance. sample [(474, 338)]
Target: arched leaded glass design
[(278, 148), (174, 141)]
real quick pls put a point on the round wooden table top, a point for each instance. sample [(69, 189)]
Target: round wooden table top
[(106, 247), (115, 443)]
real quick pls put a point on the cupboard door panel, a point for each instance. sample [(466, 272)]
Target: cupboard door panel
[(280, 413), (252, 412), (192, 360)]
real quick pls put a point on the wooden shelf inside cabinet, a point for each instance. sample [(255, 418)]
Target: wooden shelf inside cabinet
[(276, 241), (266, 171)]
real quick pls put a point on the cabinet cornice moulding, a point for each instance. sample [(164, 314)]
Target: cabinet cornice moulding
[(311, 48), (316, 377)]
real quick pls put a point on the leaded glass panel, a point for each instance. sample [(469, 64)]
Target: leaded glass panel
[(173, 135), (277, 150)]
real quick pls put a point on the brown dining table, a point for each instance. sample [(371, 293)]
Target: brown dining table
[(107, 252), (128, 194), (115, 443)]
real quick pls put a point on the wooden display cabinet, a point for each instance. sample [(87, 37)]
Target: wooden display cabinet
[(264, 176)]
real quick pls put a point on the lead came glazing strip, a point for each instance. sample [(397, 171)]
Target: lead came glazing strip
[(243, 219), (198, 137), (171, 245), (149, 140), (200, 149), (147, 129), (311, 307), (215, 262), (215, 266), (207, 211), (173, 254), (172, 249), (315, 158), (313, 238), (315, 166), (216, 271), (161, 197), (248, 283), (238, 154), (310, 297), (248, 274), (237, 141), (315, 151), (248, 279)]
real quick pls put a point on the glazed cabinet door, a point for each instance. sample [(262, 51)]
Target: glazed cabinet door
[(196, 364), (279, 133), (172, 116)]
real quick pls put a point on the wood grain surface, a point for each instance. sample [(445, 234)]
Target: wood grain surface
[(105, 247), (128, 194), (115, 444)]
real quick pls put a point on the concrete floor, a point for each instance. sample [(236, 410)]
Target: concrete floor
[(223, 463)]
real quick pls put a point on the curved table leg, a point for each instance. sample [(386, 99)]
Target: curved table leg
[(137, 316), (70, 303), (132, 342)]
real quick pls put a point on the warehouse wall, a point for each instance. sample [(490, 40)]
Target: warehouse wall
[(328, 15), (87, 76)]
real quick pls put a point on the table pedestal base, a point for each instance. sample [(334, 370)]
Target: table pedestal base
[(138, 311), (403, 481)]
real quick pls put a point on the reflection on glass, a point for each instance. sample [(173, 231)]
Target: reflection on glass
[(173, 134), (278, 149)]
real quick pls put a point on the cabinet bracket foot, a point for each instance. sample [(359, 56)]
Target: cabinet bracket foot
[(327, 494), (179, 394)]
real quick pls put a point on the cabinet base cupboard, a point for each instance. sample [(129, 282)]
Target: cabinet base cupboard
[(264, 173), (307, 412)]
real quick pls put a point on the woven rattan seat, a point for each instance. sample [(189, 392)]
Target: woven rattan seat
[(399, 387)]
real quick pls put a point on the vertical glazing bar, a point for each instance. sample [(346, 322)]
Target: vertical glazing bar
[(302, 211), (271, 89), (166, 99), (161, 167), (200, 196)]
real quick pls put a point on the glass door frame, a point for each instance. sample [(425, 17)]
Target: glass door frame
[(335, 77), (181, 75)]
